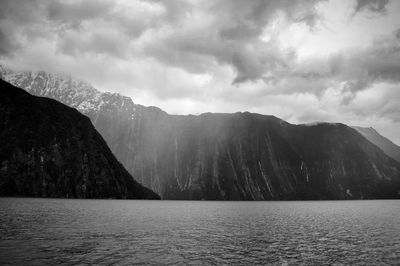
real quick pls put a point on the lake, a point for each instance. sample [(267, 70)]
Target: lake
[(126, 232)]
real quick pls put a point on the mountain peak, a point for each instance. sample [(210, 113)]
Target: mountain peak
[(73, 92)]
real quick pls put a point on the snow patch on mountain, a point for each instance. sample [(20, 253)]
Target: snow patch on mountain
[(72, 92)]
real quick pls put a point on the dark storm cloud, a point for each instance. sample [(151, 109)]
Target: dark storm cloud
[(197, 36), (197, 52), (358, 68), (13, 16), (243, 20), (232, 37), (6, 45), (216, 32), (378, 63), (72, 14), (100, 42), (375, 6), (83, 26), (76, 12), (20, 12)]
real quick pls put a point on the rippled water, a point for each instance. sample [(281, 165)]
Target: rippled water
[(69, 232)]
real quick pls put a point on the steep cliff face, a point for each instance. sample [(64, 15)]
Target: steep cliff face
[(254, 157), (385, 144), (343, 164), (238, 156), (216, 156), (50, 150)]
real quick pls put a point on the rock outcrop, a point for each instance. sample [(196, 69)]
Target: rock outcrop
[(48, 149)]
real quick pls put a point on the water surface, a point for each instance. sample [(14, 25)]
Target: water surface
[(125, 232)]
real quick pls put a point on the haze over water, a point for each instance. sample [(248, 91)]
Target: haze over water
[(106, 232)]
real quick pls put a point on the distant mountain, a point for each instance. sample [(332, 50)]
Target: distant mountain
[(385, 144), (241, 156), (50, 150)]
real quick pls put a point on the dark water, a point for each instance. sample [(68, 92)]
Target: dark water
[(107, 232)]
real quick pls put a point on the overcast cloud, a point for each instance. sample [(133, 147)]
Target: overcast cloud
[(303, 61)]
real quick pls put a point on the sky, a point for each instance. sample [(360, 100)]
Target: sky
[(303, 61)]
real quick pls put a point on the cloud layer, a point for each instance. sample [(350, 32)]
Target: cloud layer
[(298, 59)]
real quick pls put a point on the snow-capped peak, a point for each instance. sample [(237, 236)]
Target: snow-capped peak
[(72, 92)]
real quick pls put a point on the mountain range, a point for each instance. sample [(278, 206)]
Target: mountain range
[(239, 156), (48, 149)]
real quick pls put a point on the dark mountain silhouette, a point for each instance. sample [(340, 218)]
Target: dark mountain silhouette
[(241, 156), (385, 144), (50, 150)]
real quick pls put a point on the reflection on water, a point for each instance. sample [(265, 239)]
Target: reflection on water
[(69, 232)]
